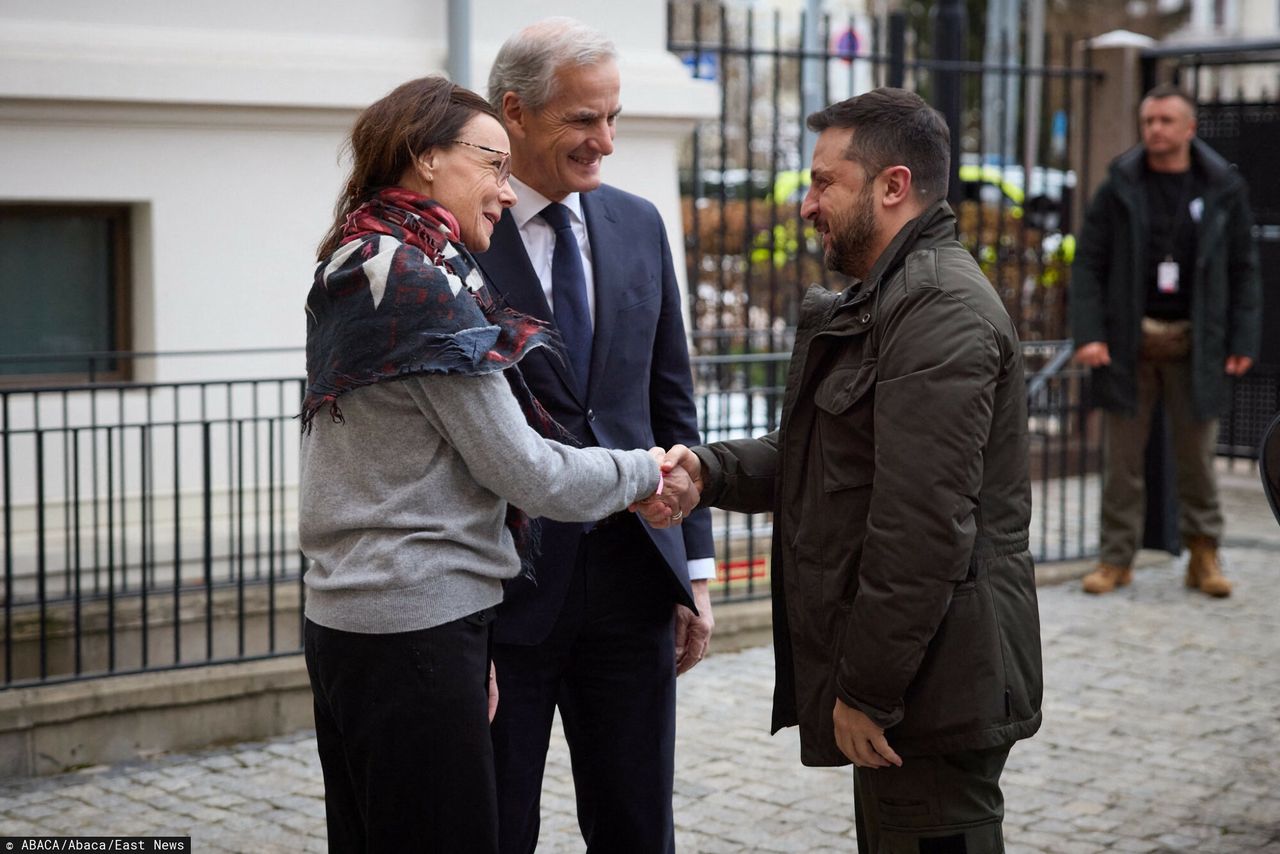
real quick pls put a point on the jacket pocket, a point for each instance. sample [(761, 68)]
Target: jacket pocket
[(846, 427)]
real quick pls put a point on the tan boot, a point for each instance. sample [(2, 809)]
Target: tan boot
[(1107, 577), (1204, 571)]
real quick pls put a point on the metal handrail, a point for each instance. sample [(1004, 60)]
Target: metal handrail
[(1036, 384)]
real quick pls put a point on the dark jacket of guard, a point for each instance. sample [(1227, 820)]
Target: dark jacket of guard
[(1108, 280), (902, 581)]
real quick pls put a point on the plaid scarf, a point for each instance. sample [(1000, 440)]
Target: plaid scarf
[(401, 296)]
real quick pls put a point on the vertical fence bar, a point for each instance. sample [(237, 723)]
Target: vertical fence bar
[(693, 241), (8, 539), (1021, 297), (948, 84), (827, 56), (95, 490), (775, 103), (206, 457), (257, 488), (723, 195), (231, 477), (78, 602), (897, 70), (67, 530), (145, 554), (124, 491), (1067, 219), (1002, 215), (111, 552), (1060, 417), (271, 545), (238, 554), (1087, 122), (796, 238), (41, 563), (177, 526), (748, 231)]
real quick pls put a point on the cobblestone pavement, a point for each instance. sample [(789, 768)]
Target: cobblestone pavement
[(1161, 734)]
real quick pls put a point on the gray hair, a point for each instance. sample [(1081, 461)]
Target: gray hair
[(528, 61)]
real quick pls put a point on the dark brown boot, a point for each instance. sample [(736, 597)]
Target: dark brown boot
[(1107, 577), (1204, 571)]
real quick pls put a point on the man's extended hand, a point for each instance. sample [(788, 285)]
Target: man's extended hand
[(860, 739), (679, 494), (1238, 366), (1095, 354), (693, 631), (685, 458)]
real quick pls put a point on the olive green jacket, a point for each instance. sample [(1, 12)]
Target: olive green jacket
[(1109, 285), (901, 577)]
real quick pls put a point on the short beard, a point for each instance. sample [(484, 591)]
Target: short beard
[(851, 243)]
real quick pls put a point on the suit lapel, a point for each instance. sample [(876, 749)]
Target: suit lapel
[(509, 272), (609, 272), (507, 267)]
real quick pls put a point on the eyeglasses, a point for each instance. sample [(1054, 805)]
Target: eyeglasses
[(503, 166)]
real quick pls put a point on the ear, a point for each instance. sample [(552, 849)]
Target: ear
[(514, 114), (896, 185), (426, 164), (420, 173)]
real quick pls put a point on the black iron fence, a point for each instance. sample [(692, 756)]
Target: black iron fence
[(147, 526), (741, 395), (153, 525), (1012, 109)]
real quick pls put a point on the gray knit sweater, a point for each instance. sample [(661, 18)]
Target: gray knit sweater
[(403, 506)]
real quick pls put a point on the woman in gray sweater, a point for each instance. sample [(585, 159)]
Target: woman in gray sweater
[(409, 487)]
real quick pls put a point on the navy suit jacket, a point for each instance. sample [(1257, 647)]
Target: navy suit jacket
[(640, 392)]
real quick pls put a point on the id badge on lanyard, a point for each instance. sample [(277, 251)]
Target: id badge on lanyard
[(1167, 276)]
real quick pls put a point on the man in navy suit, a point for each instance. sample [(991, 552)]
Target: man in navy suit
[(616, 609)]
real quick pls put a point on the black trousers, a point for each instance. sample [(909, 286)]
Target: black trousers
[(609, 665), (403, 733), (948, 804)]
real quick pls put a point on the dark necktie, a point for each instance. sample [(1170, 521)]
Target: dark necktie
[(569, 293)]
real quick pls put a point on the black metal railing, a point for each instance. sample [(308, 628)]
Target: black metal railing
[(151, 526), (751, 255), (148, 526), (741, 395)]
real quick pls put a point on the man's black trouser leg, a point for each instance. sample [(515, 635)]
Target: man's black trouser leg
[(950, 804), (609, 665)]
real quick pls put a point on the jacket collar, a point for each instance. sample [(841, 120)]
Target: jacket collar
[(1219, 174)]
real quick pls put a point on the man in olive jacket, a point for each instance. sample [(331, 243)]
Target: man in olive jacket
[(1165, 303), (906, 630)]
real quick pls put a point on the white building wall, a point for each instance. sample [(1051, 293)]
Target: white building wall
[(221, 124)]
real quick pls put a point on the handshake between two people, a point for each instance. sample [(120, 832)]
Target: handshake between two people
[(681, 488)]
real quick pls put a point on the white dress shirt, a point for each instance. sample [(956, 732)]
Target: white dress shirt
[(539, 240)]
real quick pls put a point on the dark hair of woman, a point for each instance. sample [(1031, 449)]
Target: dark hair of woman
[(425, 113)]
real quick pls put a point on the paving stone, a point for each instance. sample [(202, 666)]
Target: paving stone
[(1159, 736)]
